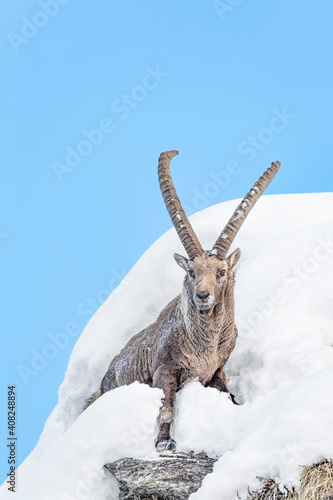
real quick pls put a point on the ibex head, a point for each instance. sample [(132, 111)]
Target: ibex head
[(207, 276), (208, 272)]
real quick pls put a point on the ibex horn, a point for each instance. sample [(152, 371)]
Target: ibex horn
[(173, 205), (231, 229)]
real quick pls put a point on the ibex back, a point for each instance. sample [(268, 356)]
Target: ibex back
[(195, 334)]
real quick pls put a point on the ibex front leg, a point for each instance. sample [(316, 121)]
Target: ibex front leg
[(219, 382), (166, 381)]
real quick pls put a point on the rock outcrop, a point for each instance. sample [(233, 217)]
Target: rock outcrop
[(169, 477)]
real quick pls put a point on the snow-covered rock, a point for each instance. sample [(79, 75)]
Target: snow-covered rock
[(281, 370)]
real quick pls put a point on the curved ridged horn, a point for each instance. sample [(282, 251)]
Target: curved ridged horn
[(173, 205), (231, 229)]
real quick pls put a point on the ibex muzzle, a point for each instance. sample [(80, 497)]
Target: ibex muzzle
[(195, 334)]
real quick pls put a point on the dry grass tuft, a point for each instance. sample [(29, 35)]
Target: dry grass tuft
[(316, 484), (269, 490), (317, 481)]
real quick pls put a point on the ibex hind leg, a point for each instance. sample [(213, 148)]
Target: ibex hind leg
[(91, 400), (109, 381)]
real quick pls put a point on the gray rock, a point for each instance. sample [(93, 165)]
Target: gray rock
[(170, 477)]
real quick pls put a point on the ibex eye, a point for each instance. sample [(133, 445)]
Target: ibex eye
[(191, 273), (220, 273)]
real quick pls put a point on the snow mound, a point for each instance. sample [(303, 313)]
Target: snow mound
[(281, 370)]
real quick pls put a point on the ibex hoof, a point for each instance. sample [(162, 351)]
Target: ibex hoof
[(166, 445)]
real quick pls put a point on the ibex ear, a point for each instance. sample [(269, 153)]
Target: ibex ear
[(233, 258), (181, 261)]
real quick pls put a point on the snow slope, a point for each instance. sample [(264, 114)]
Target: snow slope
[(281, 370)]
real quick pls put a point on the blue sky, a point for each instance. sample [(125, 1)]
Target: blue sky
[(92, 92)]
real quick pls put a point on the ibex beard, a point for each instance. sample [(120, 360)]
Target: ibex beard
[(195, 334)]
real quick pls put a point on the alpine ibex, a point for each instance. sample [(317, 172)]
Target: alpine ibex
[(195, 334)]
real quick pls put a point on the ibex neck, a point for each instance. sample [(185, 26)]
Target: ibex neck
[(204, 330)]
